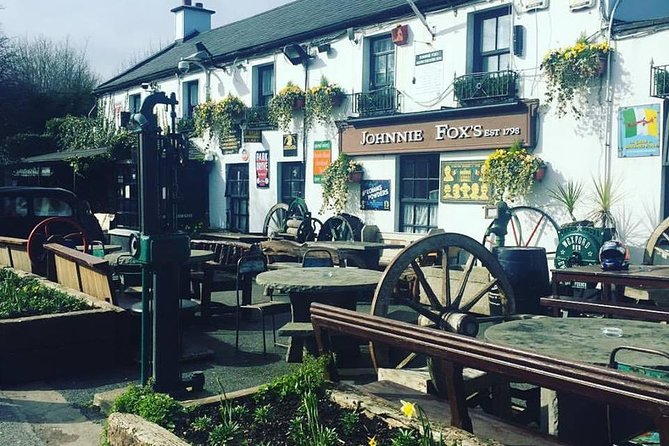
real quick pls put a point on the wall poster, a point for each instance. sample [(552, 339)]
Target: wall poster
[(375, 195), (461, 182), (322, 158), (640, 131), (262, 168)]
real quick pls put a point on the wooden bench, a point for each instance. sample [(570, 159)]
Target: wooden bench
[(14, 254), (628, 311), (453, 352), (371, 233)]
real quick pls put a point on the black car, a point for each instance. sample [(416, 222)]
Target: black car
[(23, 208)]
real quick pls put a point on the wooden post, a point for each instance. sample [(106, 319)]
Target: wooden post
[(457, 398)]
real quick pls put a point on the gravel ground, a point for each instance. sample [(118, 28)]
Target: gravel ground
[(59, 411)]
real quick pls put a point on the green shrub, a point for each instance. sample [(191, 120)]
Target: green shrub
[(23, 296), (155, 407), (310, 376)]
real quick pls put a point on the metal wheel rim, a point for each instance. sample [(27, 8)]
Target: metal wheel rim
[(276, 216), (657, 245)]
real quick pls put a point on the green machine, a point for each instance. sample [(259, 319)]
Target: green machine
[(579, 244)]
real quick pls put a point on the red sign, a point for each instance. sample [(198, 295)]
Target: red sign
[(262, 168)]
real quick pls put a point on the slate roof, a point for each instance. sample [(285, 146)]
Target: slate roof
[(294, 22)]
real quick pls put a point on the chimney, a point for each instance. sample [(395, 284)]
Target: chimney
[(189, 19)]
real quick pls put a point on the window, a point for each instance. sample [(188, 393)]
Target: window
[(237, 193), (419, 192), (492, 33), (190, 98), (134, 103), (264, 85), (292, 181), (382, 63)]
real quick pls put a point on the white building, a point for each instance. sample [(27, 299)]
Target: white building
[(410, 86)]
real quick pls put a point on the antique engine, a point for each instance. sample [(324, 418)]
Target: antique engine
[(579, 244)]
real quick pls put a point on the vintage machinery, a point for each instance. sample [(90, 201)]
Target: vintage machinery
[(579, 244), (292, 222)]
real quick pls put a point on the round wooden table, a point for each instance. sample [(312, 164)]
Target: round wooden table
[(341, 287), (582, 339)]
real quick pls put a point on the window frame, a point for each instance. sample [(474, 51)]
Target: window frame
[(261, 99), (285, 169), (237, 197), (475, 29), (373, 56), (404, 202), (190, 87), (134, 102)]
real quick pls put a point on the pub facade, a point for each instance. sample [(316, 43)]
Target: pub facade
[(430, 93)]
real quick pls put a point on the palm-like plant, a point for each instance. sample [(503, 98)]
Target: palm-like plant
[(604, 197), (569, 195)]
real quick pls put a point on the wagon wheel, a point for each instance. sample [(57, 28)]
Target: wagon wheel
[(51, 229), (308, 229), (275, 220), (335, 229), (447, 281), (530, 226), (297, 209), (657, 246)]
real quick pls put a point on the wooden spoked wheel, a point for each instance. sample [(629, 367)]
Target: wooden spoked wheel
[(57, 229), (275, 220), (530, 227), (657, 246), (447, 281), (336, 228)]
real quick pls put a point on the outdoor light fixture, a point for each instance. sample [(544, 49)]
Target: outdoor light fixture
[(296, 54), (324, 48)]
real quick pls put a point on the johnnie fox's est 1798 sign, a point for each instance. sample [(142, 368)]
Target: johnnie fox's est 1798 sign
[(461, 182)]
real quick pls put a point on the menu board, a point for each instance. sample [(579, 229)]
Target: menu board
[(322, 158), (461, 182)]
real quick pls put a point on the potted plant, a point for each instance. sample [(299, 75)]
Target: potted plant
[(282, 106), (570, 71), (321, 100), (481, 87), (218, 117), (662, 81), (568, 195), (335, 182), (510, 172)]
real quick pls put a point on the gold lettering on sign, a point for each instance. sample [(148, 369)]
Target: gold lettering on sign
[(392, 137)]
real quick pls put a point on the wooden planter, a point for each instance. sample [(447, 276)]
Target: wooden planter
[(298, 103), (355, 176), (539, 174), (39, 347)]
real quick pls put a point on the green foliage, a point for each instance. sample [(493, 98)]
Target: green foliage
[(202, 424), (510, 172), (310, 376), (282, 106), (426, 436), (306, 430), (218, 117), (404, 437), (320, 101), (223, 434), (570, 71), (158, 408), (262, 414), (21, 297), (335, 183), (604, 197), (569, 195), (349, 422), (23, 145)]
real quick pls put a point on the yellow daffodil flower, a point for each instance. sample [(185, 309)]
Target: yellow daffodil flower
[(409, 409), (372, 441)]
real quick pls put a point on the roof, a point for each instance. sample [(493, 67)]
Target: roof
[(294, 22), (64, 155), (54, 192)]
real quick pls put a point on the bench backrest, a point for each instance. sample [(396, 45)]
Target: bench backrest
[(228, 252), (623, 310), (83, 272), (371, 233), (632, 392), (14, 253)]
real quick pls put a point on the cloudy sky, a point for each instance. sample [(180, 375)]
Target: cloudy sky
[(113, 32)]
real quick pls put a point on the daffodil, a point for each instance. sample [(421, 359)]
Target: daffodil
[(409, 409), (372, 441)]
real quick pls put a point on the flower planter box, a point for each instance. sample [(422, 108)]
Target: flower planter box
[(355, 176), (40, 347)]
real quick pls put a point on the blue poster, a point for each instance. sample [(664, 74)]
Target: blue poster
[(375, 195), (640, 131)]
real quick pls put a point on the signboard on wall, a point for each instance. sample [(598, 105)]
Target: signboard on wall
[(252, 135), (375, 195), (640, 131), (262, 168), (290, 144), (322, 158), (575, 5), (461, 182), (231, 144)]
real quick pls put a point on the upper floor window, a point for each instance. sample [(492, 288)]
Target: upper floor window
[(264, 85), (492, 34), (382, 62), (134, 103), (190, 98)]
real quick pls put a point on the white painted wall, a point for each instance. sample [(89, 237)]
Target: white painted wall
[(574, 149)]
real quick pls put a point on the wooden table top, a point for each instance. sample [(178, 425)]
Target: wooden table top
[(354, 246), (652, 276), (582, 339), (237, 236), (320, 279)]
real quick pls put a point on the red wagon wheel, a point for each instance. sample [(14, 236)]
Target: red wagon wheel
[(44, 232)]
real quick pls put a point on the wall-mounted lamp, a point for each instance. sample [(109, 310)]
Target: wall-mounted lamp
[(296, 54), (324, 48)]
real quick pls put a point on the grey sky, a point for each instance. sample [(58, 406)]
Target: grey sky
[(113, 32)]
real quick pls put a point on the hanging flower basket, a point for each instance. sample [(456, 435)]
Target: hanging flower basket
[(540, 173), (298, 103), (282, 106), (510, 173), (321, 102)]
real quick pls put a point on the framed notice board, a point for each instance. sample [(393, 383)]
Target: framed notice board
[(461, 182)]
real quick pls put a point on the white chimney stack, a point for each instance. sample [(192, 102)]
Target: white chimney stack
[(189, 19)]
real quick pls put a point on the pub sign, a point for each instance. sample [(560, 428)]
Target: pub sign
[(322, 158), (375, 195)]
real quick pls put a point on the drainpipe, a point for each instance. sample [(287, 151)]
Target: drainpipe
[(609, 98)]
